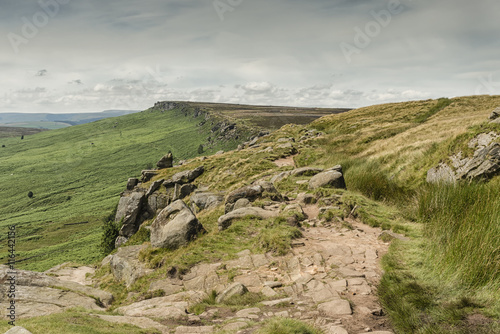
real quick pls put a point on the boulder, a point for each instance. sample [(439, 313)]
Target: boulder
[(203, 200), (225, 221), (235, 289), (186, 190), (241, 203), (187, 176), (131, 183), (441, 174), (484, 165), (148, 174), (332, 177), (495, 114), (279, 177), (269, 189), (154, 187), (175, 226), (157, 202), (128, 210), (166, 161), (249, 192), (306, 171), (125, 265), (305, 198)]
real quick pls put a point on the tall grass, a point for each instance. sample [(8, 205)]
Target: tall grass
[(463, 224)]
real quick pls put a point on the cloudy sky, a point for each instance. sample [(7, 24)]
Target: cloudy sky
[(92, 55)]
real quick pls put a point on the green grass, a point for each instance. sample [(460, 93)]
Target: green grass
[(287, 326), (77, 174), (76, 321), (462, 223)]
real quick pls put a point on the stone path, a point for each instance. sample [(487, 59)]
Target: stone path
[(329, 280)]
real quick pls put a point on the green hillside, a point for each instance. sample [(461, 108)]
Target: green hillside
[(77, 174)]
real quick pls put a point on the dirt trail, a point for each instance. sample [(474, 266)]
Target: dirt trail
[(329, 280)]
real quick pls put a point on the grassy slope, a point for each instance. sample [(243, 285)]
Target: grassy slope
[(77, 174), (448, 277)]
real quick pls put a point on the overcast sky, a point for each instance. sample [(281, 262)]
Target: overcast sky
[(92, 55)]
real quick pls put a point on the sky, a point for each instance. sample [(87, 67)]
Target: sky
[(93, 55)]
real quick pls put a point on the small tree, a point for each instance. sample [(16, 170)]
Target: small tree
[(22, 137), (110, 231), (200, 149), (30, 194)]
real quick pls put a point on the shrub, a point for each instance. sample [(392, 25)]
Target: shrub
[(110, 231)]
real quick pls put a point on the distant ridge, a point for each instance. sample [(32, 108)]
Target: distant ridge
[(56, 121)]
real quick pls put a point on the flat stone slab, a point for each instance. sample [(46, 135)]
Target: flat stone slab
[(250, 313), (141, 322), (335, 308), (194, 330)]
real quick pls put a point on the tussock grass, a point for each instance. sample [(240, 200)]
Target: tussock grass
[(463, 224)]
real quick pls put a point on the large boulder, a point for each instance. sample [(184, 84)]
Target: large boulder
[(125, 265), (251, 193), (184, 177), (128, 210), (332, 177), (154, 187), (148, 174), (484, 165), (226, 220), (166, 161), (203, 200), (131, 183), (175, 226)]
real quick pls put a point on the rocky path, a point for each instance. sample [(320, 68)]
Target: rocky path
[(328, 280)]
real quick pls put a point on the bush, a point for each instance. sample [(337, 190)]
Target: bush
[(110, 231)]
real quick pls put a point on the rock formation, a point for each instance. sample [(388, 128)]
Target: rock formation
[(175, 226)]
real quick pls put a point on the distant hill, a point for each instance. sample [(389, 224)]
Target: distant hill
[(56, 121)]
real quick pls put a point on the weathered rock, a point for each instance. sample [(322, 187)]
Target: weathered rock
[(442, 173), (187, 176), (194, 329), (175, 226), (279, 177), (129, 207), (131, 183), (141, 322), (249, 192), (235, 289), (154, 187), (269, 190), (241, 203), (161, 308), (225, 221), (186, 190), (484, 165), (306, 198), (148, 174), (18, 330), (166, 161), (203, 200), (335, 308), (156, 202), (306, 171), (40, 294), (329, 178), (125, 265), (495, 114)]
